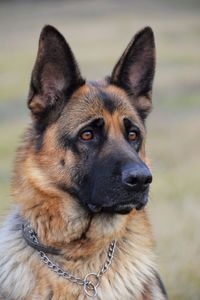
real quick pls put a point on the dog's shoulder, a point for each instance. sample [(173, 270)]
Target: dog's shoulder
[(155, 288), (16, 278), (159, 292)]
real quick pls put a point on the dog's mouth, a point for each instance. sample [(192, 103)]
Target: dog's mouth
[(120, 208), (123, 207)]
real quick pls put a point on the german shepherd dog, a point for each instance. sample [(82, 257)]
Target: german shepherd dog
[(81, 182)]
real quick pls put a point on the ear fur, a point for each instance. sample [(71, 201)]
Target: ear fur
[(55, 74), (134, 71)]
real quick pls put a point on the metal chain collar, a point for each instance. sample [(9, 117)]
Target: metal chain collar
[(91, 281)]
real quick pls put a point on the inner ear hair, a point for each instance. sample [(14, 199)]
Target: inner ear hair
[(134, 72), (55, 74)]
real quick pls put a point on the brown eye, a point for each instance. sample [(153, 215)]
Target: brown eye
[(132, 136), (87, 135)]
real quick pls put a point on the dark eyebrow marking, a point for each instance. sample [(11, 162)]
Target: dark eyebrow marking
[(98, 122), (128, 124)]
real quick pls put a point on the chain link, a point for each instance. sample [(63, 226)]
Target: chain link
[(91, 281)]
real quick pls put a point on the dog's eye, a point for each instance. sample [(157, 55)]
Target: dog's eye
[(132, 135), (87, 135)]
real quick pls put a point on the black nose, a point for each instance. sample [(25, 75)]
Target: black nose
[(136, 176)]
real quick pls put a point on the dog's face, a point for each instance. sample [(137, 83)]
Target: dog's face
[(89, 136)]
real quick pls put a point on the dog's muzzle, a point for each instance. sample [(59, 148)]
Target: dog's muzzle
[(131, 192)]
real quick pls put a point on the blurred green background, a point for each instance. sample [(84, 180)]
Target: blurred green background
[(98, 32)]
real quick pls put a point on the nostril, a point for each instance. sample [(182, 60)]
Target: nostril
[(136, 181), (148, 180), (131, 180), (136, 176)]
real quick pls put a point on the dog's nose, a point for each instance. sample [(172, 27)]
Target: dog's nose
[(136, 176)]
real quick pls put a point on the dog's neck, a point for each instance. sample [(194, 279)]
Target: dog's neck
[(75, 235)]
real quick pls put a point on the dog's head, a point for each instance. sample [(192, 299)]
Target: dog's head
[(89, 137)]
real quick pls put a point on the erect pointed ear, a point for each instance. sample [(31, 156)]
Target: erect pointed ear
[(55, 74), (134, 71)]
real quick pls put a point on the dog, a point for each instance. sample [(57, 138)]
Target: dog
[(81, 182)]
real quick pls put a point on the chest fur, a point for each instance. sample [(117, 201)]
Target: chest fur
[(23, 276)]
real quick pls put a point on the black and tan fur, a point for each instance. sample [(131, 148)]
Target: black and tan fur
[(71, 190)]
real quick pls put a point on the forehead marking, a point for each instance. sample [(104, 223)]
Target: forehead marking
[(90, 102), (109, 104), (113, 124)]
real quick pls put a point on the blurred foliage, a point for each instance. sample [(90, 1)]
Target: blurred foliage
[(98, 32)]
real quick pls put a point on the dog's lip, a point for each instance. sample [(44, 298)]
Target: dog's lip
[(142, 203), (121, 208), (94, 208), (124, 208)]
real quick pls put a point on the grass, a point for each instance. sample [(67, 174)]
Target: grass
[(98, 33), (174, 207)]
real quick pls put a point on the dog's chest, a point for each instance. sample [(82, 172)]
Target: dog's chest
[(123, 281), (117, 284), (31, 279)]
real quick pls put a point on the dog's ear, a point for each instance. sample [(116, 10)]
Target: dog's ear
[(55, 74), (134, 71)]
